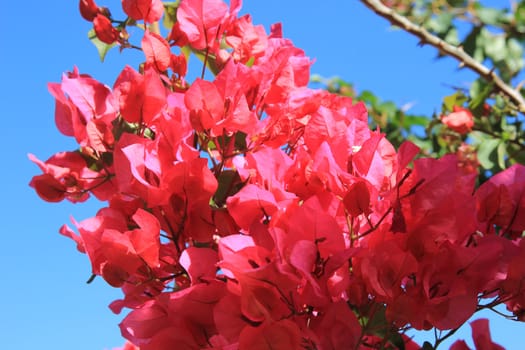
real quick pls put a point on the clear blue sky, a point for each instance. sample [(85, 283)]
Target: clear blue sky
[(46, 302)]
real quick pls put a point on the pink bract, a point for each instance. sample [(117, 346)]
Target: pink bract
[(250, 211)]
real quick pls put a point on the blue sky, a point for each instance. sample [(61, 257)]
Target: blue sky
[(46, 302)]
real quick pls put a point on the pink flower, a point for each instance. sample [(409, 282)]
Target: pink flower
[(460, 120), (467, 159)]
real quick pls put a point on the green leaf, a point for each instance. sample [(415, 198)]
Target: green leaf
[(102, 47), (502, 152), (452, 36), (479, 92), (457, 3), (316, 78), (170, 14), (456, 99), (211, 63), (449, 102), (229, 183), (441, 23), (479, 46), (496, 48), (518, 154), (389, 108), (368, 97), (425, 145), (250, 62), (519, 17), (211, 145), (514, 59), (378, 325), (486, 152), (509, 131), (470, 42), (149, 133), (396, 339), (427, 346), (490, 15), (411, 120), (240, 141)]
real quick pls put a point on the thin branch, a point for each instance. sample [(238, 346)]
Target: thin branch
[(457, 52), (446, 336)]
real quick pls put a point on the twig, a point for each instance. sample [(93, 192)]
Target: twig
[(446, 336), (457, 52)]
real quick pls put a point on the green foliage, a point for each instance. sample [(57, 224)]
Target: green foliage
[(102, 47), (493, 34), (495, 37), (170, 14)]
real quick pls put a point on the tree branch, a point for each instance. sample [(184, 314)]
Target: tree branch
[(457, 52)]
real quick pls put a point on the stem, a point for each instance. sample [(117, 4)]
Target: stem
[(350, 225), (205, 55), (457, 52), (508, 317), (448, 335), (130, 46), (154, 28), (373, 228), (205, 63), (86, 190)]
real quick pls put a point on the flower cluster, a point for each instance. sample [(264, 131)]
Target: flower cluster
[(251, 211)]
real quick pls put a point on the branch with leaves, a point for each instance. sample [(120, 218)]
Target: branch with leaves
[(453, 51)]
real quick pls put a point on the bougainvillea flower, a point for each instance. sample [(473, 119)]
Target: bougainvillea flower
[(66, 175), (248, 41), (129, 92), (205, 104), (88, 9), (105, 30), (481, 335), (460, 120), (175, 319), (200, 263), (148, 10), (468, 159), (357, 199), (338, 327), (501, 201), (250, 211), (157, 51), (141, 97), (282, 334), (250, 205), (136, 172), (116, 252), (127, 346), (85, 109), (201, 20), (459, 345), (513, 287), (48, 188)]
